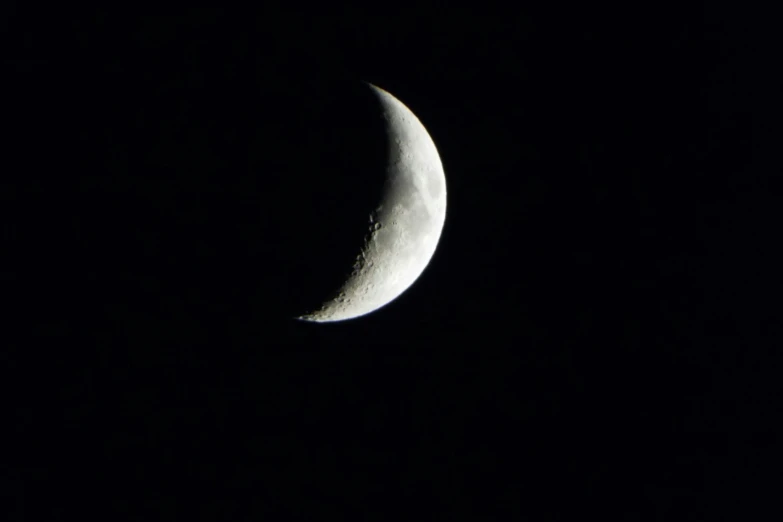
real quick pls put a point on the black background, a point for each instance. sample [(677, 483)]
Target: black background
[(595, 335)]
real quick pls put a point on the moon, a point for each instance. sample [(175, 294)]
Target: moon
[(404, 229)]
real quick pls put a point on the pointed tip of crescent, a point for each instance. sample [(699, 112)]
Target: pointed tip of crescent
[(377, 89)]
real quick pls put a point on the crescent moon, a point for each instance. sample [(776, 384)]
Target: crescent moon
[(404, 229)]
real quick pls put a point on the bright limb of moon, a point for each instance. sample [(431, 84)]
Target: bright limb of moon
[(404, 229)]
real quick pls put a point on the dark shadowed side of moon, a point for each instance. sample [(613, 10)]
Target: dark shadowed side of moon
[(293, 189), (231, 191), (323, 167)]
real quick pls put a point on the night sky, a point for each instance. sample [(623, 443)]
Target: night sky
[(595, 336)]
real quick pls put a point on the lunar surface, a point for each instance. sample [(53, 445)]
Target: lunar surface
[(404, 229)]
